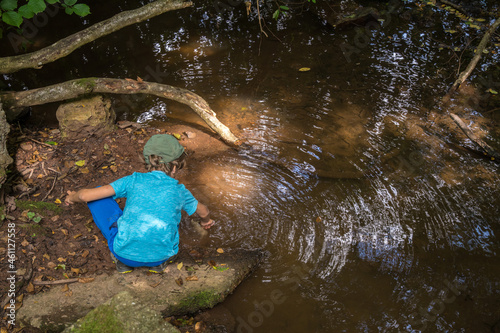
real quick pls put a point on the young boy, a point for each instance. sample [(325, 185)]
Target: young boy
[(146, 232)]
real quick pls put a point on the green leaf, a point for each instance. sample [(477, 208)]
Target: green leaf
[(8, 5), (80, 163), (52, 143), (37, 219), (81, 9), (37, 6), (284, 7), (68, 10), (51, 2), (26, 11), (30, 215), (276, 14), (70, 2), (61, 266), (491, 91), (12, 18)]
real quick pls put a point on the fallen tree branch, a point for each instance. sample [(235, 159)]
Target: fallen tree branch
[(67, 45), (479, 51), (80, 87), (487, 148), (52, 283)]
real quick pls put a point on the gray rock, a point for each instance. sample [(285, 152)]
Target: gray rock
[(197, 285)]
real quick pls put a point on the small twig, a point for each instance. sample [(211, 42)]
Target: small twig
[(487, 148), (42, 143), (53, 170), (50, 191), (260, 18), (43, 169), (51, 283)]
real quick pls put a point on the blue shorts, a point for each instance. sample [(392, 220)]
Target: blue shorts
[(105, 213)]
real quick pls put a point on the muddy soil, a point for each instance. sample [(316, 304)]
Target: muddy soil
[(54, 241)]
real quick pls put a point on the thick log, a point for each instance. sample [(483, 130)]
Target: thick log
[(67, 45), (80, 87)]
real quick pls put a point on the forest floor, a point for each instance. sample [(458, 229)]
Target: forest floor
[(56, 242)]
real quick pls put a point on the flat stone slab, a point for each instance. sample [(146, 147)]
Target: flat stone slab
[(199, 279)]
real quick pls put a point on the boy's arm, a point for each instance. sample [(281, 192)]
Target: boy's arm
[(204, 213), (89, 194)]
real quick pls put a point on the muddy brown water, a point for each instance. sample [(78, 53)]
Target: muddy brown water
[(371, 220)]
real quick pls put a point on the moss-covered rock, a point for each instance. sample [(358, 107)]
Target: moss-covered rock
[(115, 317)]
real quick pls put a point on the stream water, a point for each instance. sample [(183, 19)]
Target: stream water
[(371, 220)]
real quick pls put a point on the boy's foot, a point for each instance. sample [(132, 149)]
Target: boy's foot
[(121, 267), (160, 268)]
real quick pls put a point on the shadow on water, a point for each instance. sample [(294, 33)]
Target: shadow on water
[(370, 222)]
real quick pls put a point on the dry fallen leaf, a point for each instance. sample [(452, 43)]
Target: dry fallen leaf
[(192, 278), (25, 242), (84, 170), (57, 201), (61, 259), (64, 231), (85, 253), (212, 263), (76, 236), (75, 270), (65, 288), (30, 288), (179, 266), (50, 264), (113, 168), (46, 256), (179, 282), (219, 250)]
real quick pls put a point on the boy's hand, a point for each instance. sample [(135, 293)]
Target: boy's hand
[(69, 200), (208, 224)]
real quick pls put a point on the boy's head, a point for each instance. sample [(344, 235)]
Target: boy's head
[(162, 152), (163, 145)]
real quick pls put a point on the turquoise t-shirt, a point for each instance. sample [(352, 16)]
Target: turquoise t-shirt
[(148, 230)]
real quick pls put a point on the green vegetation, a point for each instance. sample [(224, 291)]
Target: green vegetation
[(102, 320), (13, 12), (40, 207), (201, 300)]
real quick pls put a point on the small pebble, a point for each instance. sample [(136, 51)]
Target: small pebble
[(190, 135)]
